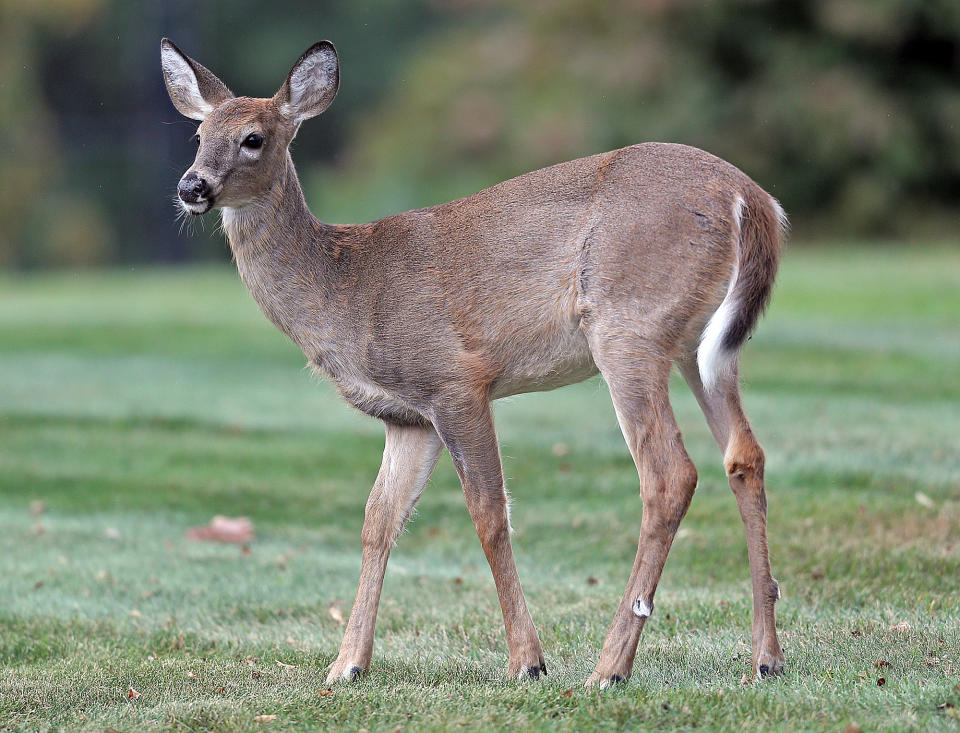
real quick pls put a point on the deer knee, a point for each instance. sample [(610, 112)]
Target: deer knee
[(744, 459)]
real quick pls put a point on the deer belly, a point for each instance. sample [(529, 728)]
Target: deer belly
[(564, 358)]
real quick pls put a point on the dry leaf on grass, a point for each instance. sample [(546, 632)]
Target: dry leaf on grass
[(901, 628), (264, 718), (567, 693), (852, 728), (924, 500), (881, 663), (322, 692), (133, 694), (236, 530), (284, 665)]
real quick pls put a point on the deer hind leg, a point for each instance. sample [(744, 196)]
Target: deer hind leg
[(468, 433), (409, 457), (668, 478), (743, 460)]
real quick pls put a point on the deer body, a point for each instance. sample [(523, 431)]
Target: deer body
[(619, 263)]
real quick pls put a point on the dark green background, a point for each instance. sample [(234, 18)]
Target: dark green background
[(847, 110)]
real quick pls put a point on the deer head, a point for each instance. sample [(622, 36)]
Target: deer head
[(243, 141)]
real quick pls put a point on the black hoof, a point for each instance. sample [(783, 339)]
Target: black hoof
[(536, 670), (764, 670), (353, 673), (617, 679)]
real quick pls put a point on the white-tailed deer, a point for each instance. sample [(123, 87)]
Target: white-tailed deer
[(623, 263)]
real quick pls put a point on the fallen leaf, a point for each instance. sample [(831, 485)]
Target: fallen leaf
[(136, 614), (337, 615), (283, 665), (881, 663), (322, 692), (133, 694), (852, 728), (881, 681), (256, 674), (924, 500), (901, 628), (744, 680), (237, 530), (38, 585), (191, 675), (567, 693), (220, 690), (263, 718), (593, 581), (817, 575), (945, 706)]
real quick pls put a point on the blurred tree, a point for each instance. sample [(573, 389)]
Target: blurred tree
[(34, 203), (848, 110), (92, 148)]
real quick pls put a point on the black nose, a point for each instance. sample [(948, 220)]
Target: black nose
[(192, 188)]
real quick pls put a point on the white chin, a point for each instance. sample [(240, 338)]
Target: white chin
[(200, 207)]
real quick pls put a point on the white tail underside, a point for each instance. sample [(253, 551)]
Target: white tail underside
[(714, 361)]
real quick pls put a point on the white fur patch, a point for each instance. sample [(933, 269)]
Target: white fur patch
[(641, 608), (714, 361), (781, 216), (180, 77)]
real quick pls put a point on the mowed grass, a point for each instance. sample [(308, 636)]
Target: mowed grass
[(135, 404)]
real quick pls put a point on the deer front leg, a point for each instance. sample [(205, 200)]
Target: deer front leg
[(470, 437), (409, 457)]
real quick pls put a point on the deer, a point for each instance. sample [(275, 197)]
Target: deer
[(621, 264)]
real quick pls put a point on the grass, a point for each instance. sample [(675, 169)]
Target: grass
[(136, 404)]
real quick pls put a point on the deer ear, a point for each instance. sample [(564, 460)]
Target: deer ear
[(194, 90), (311, 84)]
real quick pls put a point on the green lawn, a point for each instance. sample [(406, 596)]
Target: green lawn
[(135, 404)]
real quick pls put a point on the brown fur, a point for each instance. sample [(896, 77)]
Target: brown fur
[(610, 264)]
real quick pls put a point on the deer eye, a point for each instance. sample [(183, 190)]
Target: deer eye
[(196, 140), (253, 141)]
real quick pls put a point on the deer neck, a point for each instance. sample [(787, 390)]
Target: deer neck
[(283, 254)]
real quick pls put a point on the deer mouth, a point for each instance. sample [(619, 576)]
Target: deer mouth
[(196, 208)]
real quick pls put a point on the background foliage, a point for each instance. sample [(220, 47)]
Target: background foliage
[(847, 110)]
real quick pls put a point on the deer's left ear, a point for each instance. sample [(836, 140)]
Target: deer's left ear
[(194, 90), (311, 84)]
